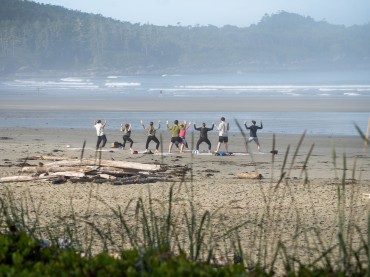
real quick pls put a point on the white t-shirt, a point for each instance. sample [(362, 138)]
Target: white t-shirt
[(99, 129), (223, 128)]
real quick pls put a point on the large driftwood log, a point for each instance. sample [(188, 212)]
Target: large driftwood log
[(25, 178), (46, 169), (68, 174), (249, 176), (49, 158), (21, 178), (118, 164)]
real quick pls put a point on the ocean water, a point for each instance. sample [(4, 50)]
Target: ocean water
[(340, 85), (279, 123)]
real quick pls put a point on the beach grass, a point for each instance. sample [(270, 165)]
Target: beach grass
[(274, 240)]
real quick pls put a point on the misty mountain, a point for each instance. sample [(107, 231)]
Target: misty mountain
[(37, 37)]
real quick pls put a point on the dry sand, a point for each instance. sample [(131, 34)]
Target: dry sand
[(213, 184)]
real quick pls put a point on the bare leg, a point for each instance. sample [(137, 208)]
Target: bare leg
[(218, 147), (246, 146), (226, 147), (181, 148), (170, 147)]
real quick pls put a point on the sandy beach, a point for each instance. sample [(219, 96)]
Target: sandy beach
[(212, 182), (297, 202)]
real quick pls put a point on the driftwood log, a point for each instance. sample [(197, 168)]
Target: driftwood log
[(63, 161), (249, 176), (48, 169), (89, 170), (117, 164), (21, 178)]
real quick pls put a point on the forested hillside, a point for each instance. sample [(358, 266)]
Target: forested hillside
[(36, 37)]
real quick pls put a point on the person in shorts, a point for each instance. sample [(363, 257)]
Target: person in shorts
[(253, 134), (183, 128), (223, 136), (175, 135)]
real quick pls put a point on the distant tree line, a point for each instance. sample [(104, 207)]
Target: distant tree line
[(35, 37)]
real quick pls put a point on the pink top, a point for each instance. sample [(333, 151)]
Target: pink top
[(183, 131)]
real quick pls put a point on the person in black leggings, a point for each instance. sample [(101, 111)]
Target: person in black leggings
[(99, 126), (151, 135), (126, 129), (204, 135)]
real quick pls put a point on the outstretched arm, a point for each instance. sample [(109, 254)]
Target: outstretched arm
[(187, 127), (142, 123), (168, 126), (245, 124)]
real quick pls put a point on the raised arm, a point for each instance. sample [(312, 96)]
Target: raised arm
[(168, 126), (159, 124), (195, 127), (245, 124), (187, 127)]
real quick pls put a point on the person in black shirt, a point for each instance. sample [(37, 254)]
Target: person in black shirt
[(203, 135), (253, 134)]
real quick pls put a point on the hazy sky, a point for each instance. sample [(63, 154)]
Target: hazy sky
[(240, 13)]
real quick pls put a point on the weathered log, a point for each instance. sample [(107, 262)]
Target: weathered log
[(107, 176), (117, 164), (249, 176), (68, 173), (117, 173), (46, 169), (49, 158), (21, 178)]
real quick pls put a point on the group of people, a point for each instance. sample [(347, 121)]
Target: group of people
[(178, 136)]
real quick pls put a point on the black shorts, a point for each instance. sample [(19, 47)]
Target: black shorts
[(178, 139), (223, 139)]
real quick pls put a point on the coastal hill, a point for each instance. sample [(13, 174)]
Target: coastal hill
[(37, 38)]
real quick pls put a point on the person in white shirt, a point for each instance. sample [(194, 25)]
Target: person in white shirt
[(223, 136), (99, 126)]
